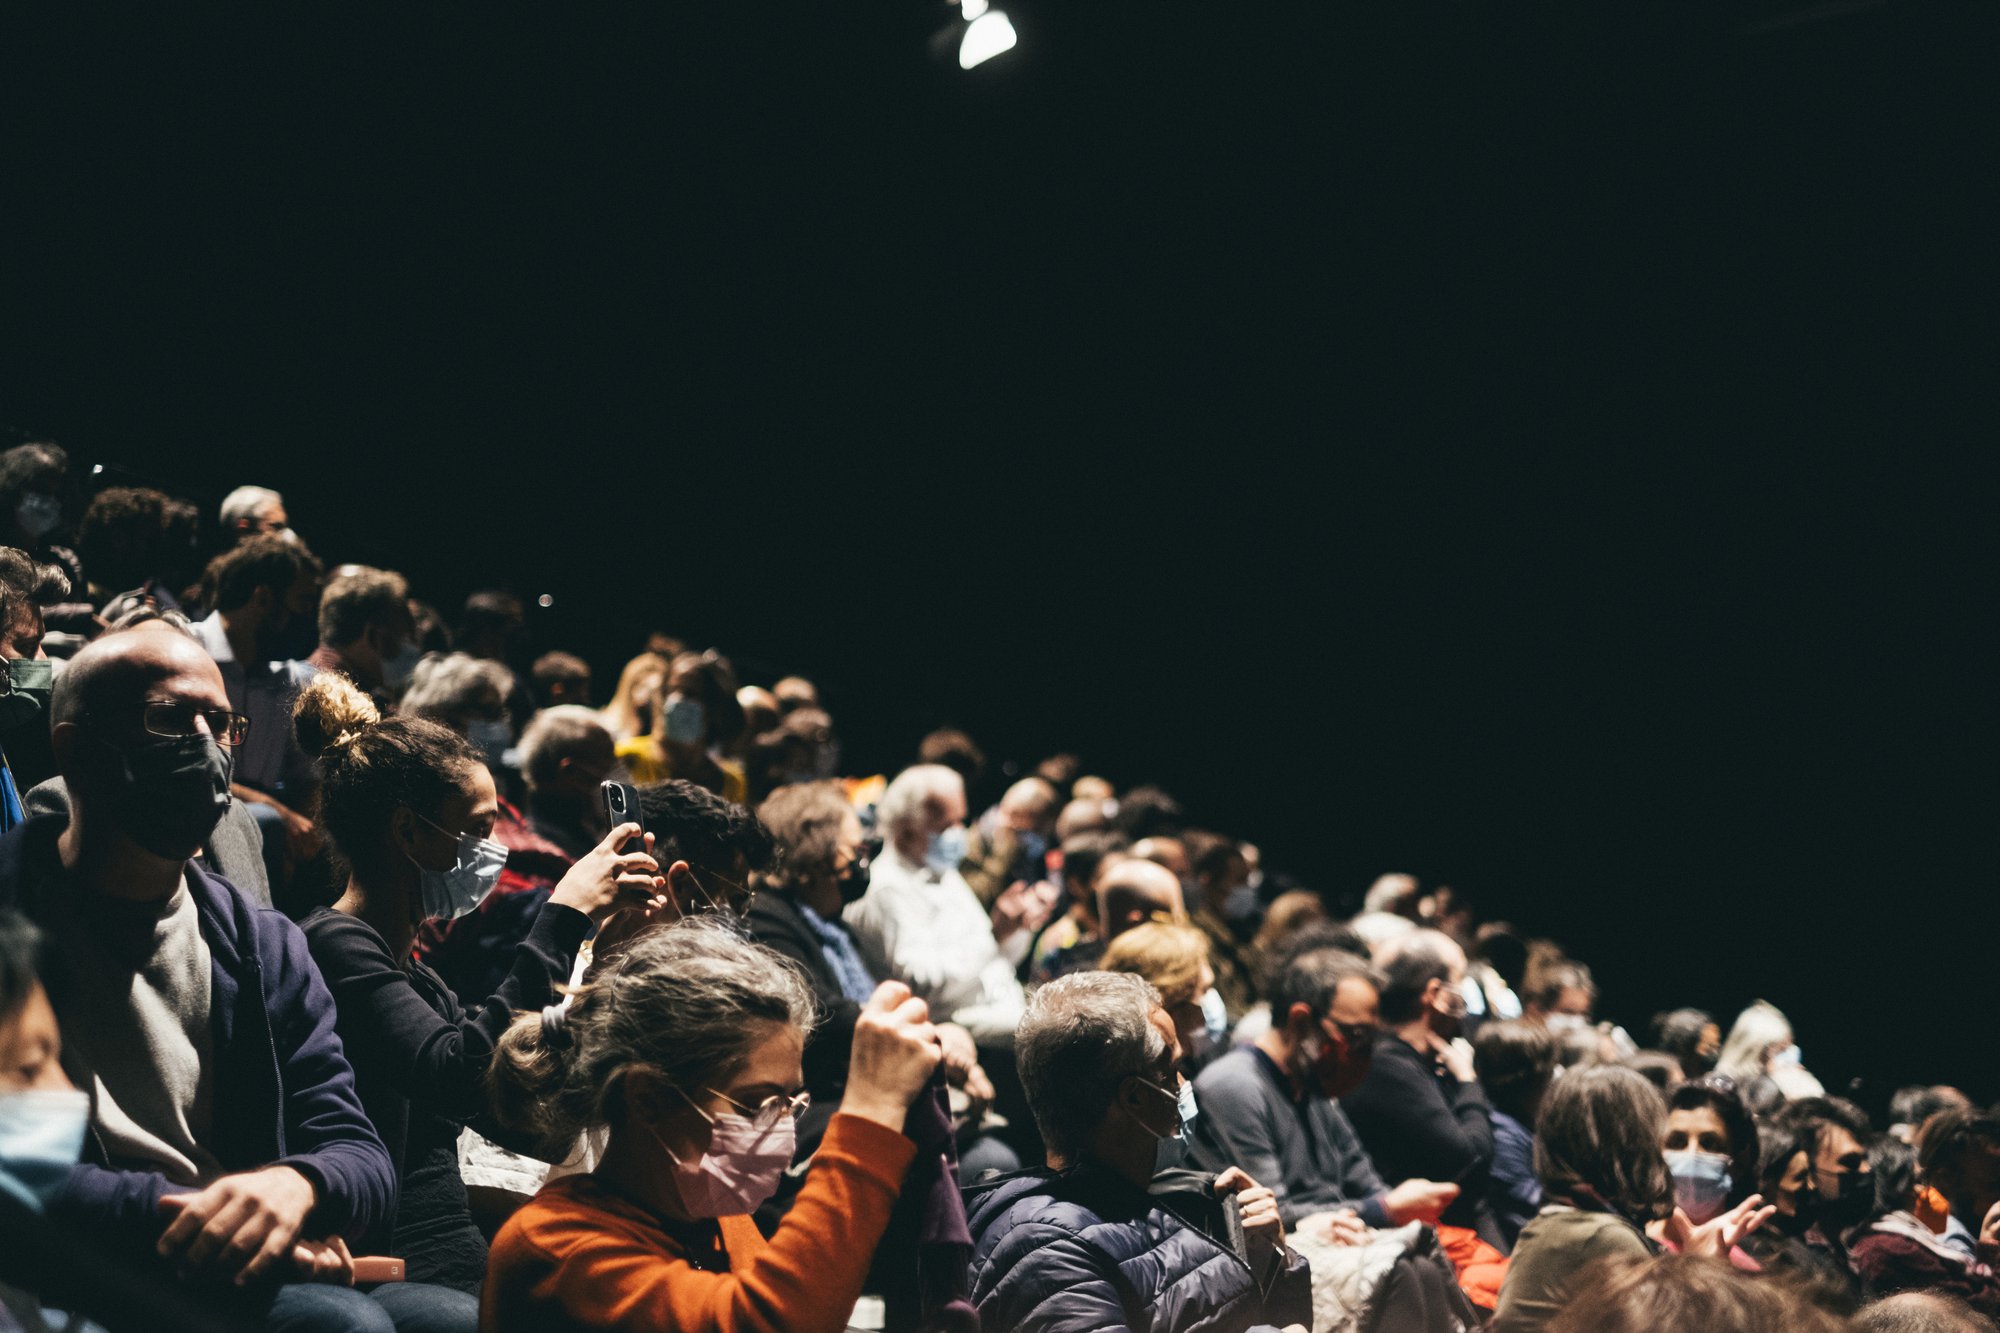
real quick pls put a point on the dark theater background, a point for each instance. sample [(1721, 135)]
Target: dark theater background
[(1545, 447)]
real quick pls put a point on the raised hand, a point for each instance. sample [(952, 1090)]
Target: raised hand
[(606, 879)]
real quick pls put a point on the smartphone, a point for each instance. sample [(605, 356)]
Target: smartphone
[(373, 1269), (621, 806)]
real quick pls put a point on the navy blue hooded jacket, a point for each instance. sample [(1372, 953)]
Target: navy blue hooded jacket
[(284, 1092), (1065, 1252)]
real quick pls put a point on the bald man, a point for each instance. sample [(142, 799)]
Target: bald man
[(227, 1140), (1009, 843), (1132, 892)]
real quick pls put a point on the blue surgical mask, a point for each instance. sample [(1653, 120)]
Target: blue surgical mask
[(1172, 1152), (687, 720), (448, 894), (1701, 1183), (397, 670), (41, 1138), (1215, 1016), (1786, 1058), (1033, 848), (492, 738), (947, 850), (38, 515)]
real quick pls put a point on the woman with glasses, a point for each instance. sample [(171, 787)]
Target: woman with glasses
[(687, 1046), (410, 808)]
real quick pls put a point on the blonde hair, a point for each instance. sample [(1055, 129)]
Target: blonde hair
[(1168, 955)]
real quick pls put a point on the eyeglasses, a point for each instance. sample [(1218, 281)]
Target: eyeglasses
[(709, 904), (175, 718), (1359, 1037), (768, 1114)]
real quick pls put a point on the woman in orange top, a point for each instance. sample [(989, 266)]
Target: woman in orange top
[(687, 1047)]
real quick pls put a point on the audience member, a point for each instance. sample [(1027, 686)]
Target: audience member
[(468, 694), (136, 545), (26, 677), (1961, 1158), (1072, 939), (258, 586), (795, 692), (1920, 1312), (956, 751), (1110, 1235), (696, 719), (1691, 1036), (630, 712), (227, 1136), (1688, 1292), (1762, 1057), (1273, 1108), (1912, 1106), (366, 631), (1173, 960), (1009, 842), (559, 680), (1605, 1181), (254, 511), (409, 806), (1515, 1061), (687, 1047), (1420, 1112), (920, 922), (1839, 1192), (1711, 1147)]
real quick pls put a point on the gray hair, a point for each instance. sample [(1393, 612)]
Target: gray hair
[(904, 805), (243, 504), (1409, 963), (358, 600), (1081, 1036), (1756, 1030), (688, 1002), (446, 687), (556, 734)]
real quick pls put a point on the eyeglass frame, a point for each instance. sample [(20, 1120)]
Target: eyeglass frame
[(239, 724), (709, 904), (1348, 1033), (764, 1116)]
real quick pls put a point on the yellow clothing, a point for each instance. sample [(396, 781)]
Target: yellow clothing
[(648, 764)]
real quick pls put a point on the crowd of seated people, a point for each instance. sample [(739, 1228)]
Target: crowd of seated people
[(333, 996)]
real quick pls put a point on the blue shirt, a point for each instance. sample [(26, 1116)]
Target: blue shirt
[(842, 955)]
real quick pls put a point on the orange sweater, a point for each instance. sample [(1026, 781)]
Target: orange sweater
[(579, 1256)]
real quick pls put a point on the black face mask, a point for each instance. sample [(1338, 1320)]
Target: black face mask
[(168, 794), (853, 882), (1855, 1201)]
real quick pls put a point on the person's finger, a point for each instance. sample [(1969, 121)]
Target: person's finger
[(275, 1245), (195, 1210), (616, 838), (912, 1011), (889, 996), (219, 1230), (1235, 1178)]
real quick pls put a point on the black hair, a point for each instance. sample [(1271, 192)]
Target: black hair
[(266, 561), (121, 537), (1918, 1103), (1894, 1164), (1678, 1032), (1149, 812), (1659, 1068), (20, 961), (693, 824), (1313, 936), (35, 466), (1745, 1149), (956, 751), (26, 581), (1515, 1060), (1083, 853), (1810, 1117), (1311, 979)]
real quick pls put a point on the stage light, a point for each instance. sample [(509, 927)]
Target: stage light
[(987, 36), (978, 33)]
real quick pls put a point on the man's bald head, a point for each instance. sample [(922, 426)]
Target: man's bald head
[(1029, 803), (1920, 1312), (1134, 891), (116, 674), (1080, 817)]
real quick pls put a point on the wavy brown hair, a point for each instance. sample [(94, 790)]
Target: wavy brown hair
[(1597, 1143)]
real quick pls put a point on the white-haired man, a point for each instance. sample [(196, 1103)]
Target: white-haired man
[(921, 924)]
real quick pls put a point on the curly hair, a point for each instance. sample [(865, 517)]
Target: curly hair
[(692, 824), (268, 561), (369, 765)]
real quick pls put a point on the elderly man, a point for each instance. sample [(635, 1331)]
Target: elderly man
[(920, 923), (254, 511), (1011, 840), (1421, 1113), (227, 1136), (1111, 1235)]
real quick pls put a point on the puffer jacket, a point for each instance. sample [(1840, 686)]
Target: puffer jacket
[(1066, 1252)]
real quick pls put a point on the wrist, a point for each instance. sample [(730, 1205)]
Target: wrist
[(885, 1110)]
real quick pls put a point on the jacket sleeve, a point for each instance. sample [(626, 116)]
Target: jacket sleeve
[(805, 1279), (388, 1025), (120, 1209), (831, 1041), (328, 1137), (1045, 1279)]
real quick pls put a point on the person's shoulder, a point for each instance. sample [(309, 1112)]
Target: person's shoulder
[(1033, 1198), (332, 933), (569, 1213), (1234, 1069)]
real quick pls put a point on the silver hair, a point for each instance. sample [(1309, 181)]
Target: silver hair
[(1082, 1035), (903, 806), (1756, 1030), (689, 1002), (243, 504), (556, 734), (445, 686)]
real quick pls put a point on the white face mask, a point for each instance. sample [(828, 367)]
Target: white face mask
[(1172, 1151), (38, 515), (741, 1168), (448, 894)]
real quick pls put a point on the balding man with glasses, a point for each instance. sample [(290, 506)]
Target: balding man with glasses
[(226, 1141)]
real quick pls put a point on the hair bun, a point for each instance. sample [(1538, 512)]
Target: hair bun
[(331, 713)]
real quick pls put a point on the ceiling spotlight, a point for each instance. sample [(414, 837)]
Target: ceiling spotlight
[(979, 33)]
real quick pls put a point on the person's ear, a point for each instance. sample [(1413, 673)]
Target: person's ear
[(404, 830), (1298, 1020), (685, 887)]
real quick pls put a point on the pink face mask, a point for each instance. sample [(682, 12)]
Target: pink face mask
[(741, 1168)]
